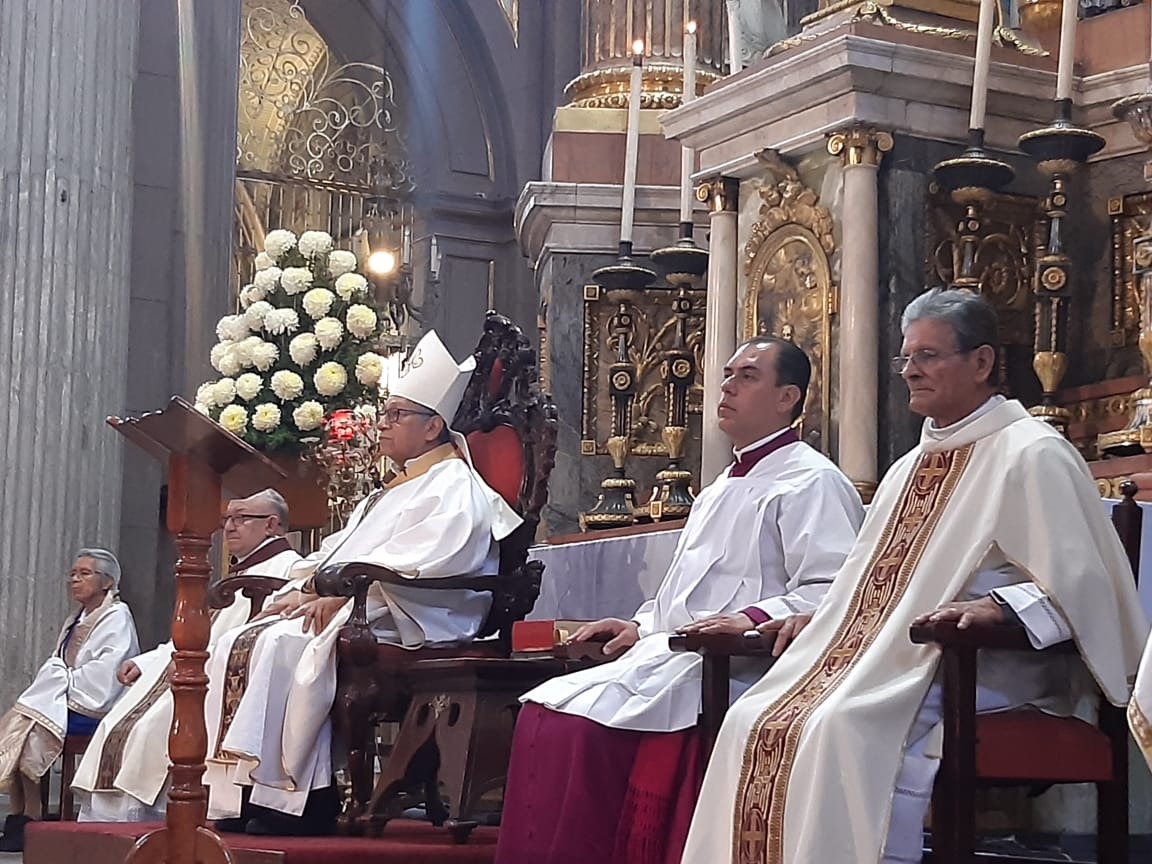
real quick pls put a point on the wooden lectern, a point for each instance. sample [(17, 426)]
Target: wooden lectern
[(202, 460)]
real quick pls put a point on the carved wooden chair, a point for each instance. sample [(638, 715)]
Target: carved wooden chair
[(1024, 747), (449, 697)]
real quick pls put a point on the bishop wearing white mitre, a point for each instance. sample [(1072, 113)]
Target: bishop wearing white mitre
[(124, 773), (272, 683), (992, 517)]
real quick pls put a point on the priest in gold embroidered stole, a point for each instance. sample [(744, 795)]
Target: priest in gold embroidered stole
[(993, 516)]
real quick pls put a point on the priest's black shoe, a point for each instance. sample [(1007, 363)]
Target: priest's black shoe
[(317, 820), (13, 839)]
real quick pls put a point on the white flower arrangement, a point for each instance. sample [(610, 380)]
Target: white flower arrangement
[(303, 345)]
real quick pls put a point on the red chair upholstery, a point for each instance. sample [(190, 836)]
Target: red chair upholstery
[(498, 457)]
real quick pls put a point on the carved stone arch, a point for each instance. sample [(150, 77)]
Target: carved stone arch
[(791, 292)]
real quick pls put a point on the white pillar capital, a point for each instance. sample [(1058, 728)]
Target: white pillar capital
[(860, 146)]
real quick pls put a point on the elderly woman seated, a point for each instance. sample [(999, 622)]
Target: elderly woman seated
[(74, 688)]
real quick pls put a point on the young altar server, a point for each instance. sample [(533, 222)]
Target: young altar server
[(992, 517), (272, 683), (605, 763), (123, 776), (72, 690)]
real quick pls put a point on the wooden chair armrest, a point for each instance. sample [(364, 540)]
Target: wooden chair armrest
[(344, 580), (750, 644), (257, 589), (994, 637)]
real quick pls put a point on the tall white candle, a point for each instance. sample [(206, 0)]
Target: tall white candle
[(983, 56), (735, 38), (687, 154), (1067, 49), (632, 145)]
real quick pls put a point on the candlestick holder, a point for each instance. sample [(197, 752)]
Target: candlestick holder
[(1060, 150), (971, 179), (684, 265), (623, 282)]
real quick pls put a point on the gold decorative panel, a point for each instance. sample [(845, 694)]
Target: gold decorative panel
[(651, 333), (1131, 221), (1014, 229), (790, 289)]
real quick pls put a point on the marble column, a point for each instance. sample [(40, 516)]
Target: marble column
[(720, 319), (66, 82), (860, 150)]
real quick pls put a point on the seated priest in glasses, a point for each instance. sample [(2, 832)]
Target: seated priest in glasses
[(124, 773), (272, 683), (992, 518), (605, 761), (74, 688)]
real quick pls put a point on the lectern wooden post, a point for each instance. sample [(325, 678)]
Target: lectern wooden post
[(202, 459)]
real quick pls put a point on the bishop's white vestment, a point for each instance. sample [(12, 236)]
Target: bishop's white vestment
[(271, 685), (124, 771), (1140, 708), (80, 676), (773, 539), (821, 738)]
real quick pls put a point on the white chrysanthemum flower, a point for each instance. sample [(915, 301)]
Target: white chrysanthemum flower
[(223, 391), (287, 385), (313, 243), (330, 379), (253, 293), (228, 362), (277, 242), (280, 321), (231, 328), (308, 416), (329, 332), (369, 368), (318, 302), (341, 262), (206, 394), (235, 419), (249, 385), (302, 349), (254, 314), (265, 417), (217, 353), (349, 285), (266, 281), (366, 412), (264, 261), (361, 320), (264, 355), (203, 409), (246, 298), (296, 280)]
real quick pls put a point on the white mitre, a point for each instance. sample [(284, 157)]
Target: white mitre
[(431, 377)]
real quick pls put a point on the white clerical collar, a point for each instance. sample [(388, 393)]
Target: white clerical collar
[(738, 452), (931, 430)]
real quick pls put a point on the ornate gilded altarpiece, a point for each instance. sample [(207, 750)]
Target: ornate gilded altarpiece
[(791, 293), (652, 332), (1131, 225), (1013, 231)]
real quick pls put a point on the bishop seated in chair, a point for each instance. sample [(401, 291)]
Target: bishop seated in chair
[(994, 517), (606, 762), (272, 683), (74, 688), (123, 775)]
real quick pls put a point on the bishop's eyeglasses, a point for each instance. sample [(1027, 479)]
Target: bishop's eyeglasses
[(391, 416)]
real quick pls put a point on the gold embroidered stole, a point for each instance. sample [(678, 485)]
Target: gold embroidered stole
[(758, 836)]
